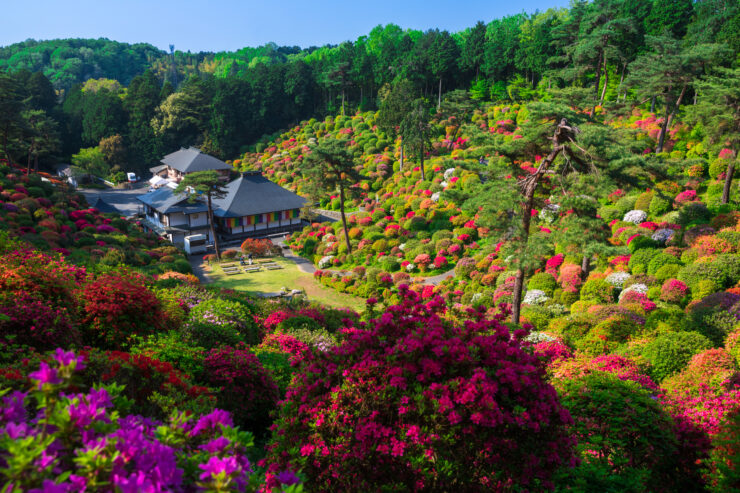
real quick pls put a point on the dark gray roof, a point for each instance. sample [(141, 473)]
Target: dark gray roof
[(164, 201), (191, 159), (103, 206), (251, 194), (157, 169)]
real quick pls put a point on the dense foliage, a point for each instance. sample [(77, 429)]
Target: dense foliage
[(582, 185)]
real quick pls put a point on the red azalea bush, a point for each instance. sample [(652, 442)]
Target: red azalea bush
[(256, 246), (245, 387), (413, 402), (673, 291), (118, 306), (154, 387), (36, 323)]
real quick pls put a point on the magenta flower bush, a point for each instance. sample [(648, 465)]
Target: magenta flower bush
[(411, 401), (58, 440)]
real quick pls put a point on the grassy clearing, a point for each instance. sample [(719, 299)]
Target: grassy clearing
[(290, 277)]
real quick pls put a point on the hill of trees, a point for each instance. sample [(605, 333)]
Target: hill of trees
[(543, 216), (226, 101)]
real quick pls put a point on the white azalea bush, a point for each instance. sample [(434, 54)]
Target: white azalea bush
[(326, 261), (617, 279), (535, 297), (635, 216)]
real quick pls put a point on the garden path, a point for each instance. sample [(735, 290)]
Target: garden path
[(434, 280)]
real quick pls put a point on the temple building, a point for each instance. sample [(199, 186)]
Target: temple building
[(253, 206)]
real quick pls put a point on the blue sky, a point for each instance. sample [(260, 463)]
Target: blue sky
[(220, 25)]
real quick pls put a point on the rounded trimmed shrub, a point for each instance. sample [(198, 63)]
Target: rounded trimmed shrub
[(598, 290), (669, 353), (626, 440)]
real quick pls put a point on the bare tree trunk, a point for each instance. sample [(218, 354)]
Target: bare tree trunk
[(652, 104), (439, 94), (606, 83), (400, 166), (530, 186), (596, 86), (421, 159), (213, 228), (36, 162), (621, 80), (342, 101), (516, 302), (344, 218), (598, 77), (663, 129), (728, 182), (675, 108), (585, 266)]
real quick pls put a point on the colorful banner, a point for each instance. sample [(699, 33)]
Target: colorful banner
[(269, 217)]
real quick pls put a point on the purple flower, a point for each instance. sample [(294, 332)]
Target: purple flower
[(216, 445), (50, 486), (135, 483), (13, 407), (15, 431), (216, 466), (45, 374), (287, 478), (66, 358), (45, 460), (212, 421)]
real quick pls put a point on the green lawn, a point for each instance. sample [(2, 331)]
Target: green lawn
[(290, 277)]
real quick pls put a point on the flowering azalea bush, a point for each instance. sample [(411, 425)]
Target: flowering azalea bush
[(117, 307), (244, 387), (430, 406), (70, 441)]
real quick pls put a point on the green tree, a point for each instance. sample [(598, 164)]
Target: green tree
[(102, 115), (210, 184), (331, 167), (502, 44), (41, 136), (11, 106), (473, 48), (505, 203), (718, 110), (669, 17), (114, 151), (140, 104), (444, 55), (667, 72), (90, 160), (182, 118), (416, 130), (395, 105)]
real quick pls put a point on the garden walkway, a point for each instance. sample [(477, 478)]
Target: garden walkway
[(434, 280), (196, 263)]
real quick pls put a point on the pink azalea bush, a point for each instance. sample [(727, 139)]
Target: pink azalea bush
[(411, 401)]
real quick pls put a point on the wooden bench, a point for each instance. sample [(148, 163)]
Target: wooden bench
[(252, 269), (231, 272), (227, 265), (273, 267)]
